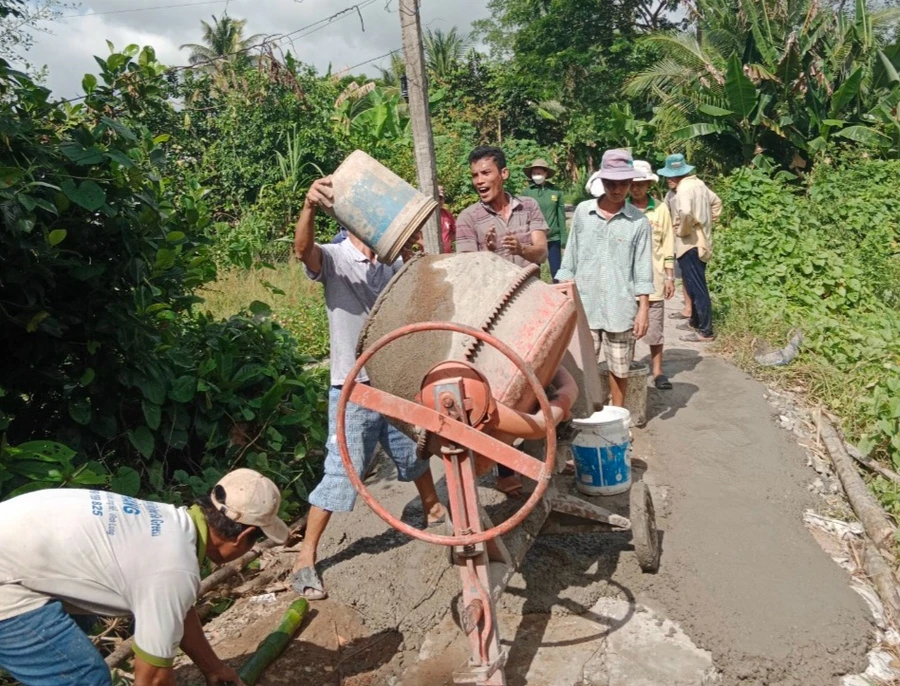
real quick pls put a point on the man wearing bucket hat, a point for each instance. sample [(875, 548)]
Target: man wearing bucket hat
[(663, 241), (549, 198), (695, 208), (353, 278), (99, 553), (608, 256)]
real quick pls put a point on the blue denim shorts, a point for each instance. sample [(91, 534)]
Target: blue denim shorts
[(45, 647), (365, 430)]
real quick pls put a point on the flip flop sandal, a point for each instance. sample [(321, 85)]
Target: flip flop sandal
[(678, 315), (436, 522), (307, 583), (697, 338), (662, 383), (685, 326)]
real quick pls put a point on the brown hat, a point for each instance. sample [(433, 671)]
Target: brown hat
[(539, 162)]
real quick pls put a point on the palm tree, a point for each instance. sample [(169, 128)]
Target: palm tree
[(391, 76), (444, 51), (223, 41)]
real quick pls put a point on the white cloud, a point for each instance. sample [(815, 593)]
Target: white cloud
[(68, 51)]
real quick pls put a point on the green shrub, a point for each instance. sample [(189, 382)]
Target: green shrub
[(822, 258), (103, 351)]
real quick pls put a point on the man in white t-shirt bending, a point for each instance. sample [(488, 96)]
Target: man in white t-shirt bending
[(94, 552)]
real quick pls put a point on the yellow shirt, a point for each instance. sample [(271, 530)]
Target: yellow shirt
[(663, 245)]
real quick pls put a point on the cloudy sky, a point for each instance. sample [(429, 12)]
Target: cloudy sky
[(68, 49)]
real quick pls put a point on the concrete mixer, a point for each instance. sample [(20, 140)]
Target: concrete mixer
[(468, 354)]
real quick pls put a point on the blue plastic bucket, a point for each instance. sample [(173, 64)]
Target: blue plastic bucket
[(377, 206), (601, 452)]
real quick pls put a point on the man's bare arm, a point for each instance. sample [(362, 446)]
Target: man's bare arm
[(536, 253), (146, 674), (320, 195)]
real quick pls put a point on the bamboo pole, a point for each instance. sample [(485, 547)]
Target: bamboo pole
[(275, 643)]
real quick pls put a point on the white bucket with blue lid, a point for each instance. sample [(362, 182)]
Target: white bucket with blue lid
[(601, 452)]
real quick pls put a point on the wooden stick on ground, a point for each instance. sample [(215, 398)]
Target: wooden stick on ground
[(882, 579), (875, 522), (875, 467), (214, 580)]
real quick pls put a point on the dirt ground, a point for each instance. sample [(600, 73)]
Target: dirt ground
[(744, 594)]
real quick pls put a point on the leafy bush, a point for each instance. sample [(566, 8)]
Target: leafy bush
[(823, 258), (102, 349), (233, 134)]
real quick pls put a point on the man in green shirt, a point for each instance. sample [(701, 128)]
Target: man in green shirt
[(549, 199)]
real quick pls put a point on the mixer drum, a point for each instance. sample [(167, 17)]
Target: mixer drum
[(480, 290)]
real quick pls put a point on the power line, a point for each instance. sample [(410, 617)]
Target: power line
[(374, 59), (271, 40), (147, 9), (321, 24)]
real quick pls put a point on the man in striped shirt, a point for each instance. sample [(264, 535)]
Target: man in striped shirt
[(608, 256), (513, 227)]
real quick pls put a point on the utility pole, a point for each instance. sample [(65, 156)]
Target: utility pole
[(420, 116)]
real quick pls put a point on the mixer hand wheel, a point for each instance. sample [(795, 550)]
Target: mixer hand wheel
[(450, 429)]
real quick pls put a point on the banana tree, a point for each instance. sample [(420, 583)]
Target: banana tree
[(743, 118), (782, 76)]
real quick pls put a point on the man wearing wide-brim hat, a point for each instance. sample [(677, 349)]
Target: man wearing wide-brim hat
[(608, 256), (694, 209), (550, 200)]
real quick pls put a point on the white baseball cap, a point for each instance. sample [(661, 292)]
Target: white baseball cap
[(254, 500), (646, 171)]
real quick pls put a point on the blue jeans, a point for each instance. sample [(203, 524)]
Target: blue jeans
[(554, 258), (45, 647), (365, 430), (693, 274)]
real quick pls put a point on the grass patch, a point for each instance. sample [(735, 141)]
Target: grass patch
[(297, 303)]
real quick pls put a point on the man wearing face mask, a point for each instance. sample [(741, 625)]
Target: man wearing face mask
[(609, 258), (549, 199)]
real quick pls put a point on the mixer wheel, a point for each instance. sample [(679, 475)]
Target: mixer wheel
[(645, 537)]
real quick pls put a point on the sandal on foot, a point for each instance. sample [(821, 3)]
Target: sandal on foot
[(307, 583), (679, 315), (431, 523), (697, 338), (662, 383), (685, 326)]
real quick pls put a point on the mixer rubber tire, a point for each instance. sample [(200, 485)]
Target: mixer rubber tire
[(645, 537)]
